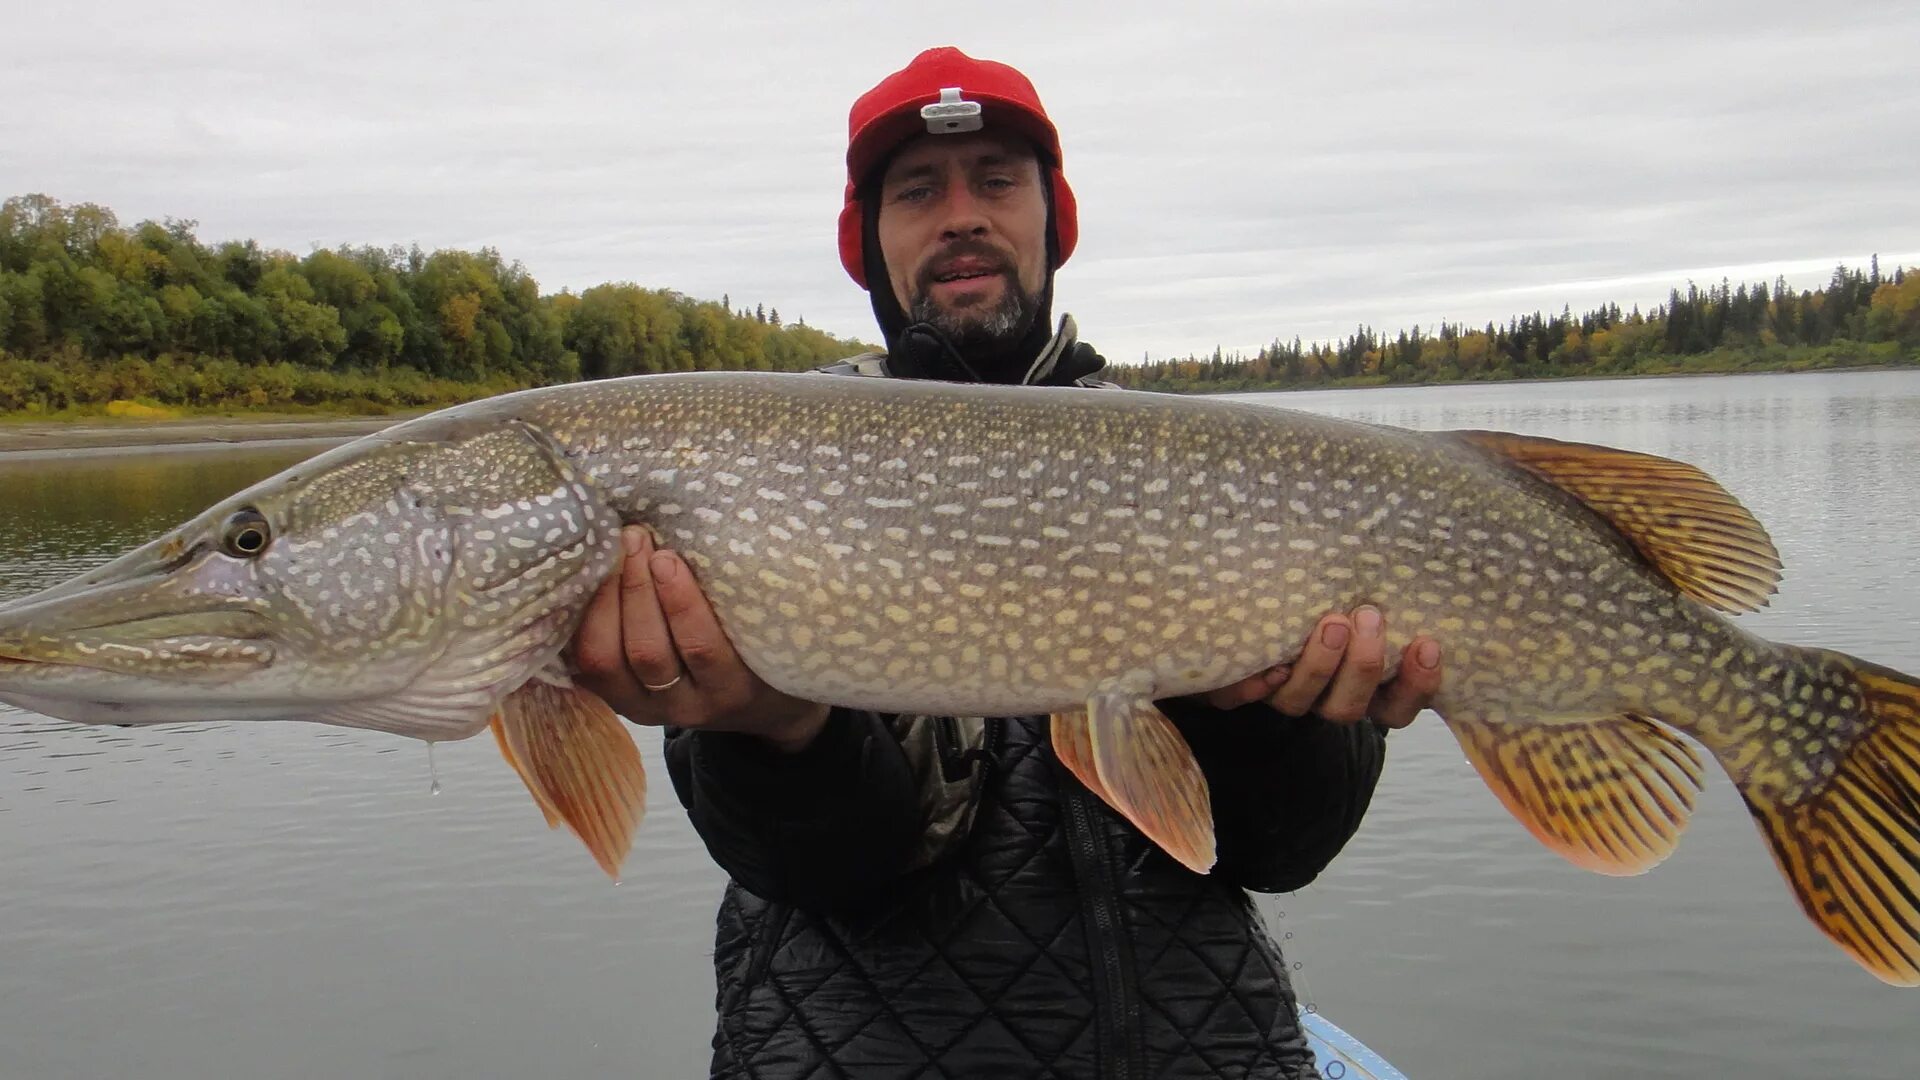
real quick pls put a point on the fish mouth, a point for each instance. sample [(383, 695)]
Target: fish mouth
[(175, 647)]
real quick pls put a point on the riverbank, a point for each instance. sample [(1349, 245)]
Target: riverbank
[(103, 434), (25, 438)]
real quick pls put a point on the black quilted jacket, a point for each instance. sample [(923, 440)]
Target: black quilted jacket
[(1047, 938), (929, 897)]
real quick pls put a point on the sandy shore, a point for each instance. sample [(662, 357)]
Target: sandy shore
[(55, 439)]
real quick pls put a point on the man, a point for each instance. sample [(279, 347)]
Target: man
[(937, 896)]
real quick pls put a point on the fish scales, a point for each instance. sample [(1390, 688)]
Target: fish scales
[(906, 552), (987, 551)]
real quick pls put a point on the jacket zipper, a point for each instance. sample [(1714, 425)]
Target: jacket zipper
[(1115, 998)]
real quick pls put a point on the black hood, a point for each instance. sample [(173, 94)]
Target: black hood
[(917, 350)]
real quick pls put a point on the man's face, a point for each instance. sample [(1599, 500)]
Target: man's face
[(963, 224)]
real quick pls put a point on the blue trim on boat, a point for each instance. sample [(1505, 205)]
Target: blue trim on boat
[(1340, 1055)]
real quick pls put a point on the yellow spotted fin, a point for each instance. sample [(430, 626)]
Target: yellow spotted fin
[(1847, 840), (1611, 795), (1679, 518)]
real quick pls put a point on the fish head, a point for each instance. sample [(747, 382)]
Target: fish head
[(404, 582)]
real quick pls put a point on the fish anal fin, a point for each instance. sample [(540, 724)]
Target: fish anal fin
[(576, 757), (1147, 772), (1611, 795), (1688, 526)]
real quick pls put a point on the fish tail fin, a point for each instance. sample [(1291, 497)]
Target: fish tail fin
[(579, 763), (1829, 765)]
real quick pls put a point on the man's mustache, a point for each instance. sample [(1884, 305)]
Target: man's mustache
[(995, 260)]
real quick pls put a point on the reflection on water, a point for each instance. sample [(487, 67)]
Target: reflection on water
[(285, 900)]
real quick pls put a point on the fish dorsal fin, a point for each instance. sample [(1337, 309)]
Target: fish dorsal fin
[(578, 762), (1685, 523), (1611, 795)]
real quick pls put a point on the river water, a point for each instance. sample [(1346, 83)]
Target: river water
[(289, 901)]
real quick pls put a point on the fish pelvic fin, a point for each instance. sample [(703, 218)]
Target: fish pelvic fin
[(1681, 520), (1126, 751), (1073, 745), (579, 763), (1841, 812), (1611, 794)]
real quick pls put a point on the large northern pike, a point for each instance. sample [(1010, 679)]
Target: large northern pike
[(983, 551)]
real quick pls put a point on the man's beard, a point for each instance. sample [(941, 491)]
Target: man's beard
[(981, 330)]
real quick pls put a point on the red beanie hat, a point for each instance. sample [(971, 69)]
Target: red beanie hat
[(910, 101)]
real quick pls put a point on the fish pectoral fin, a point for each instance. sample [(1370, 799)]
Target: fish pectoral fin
[(1142, 767), (539, 793), (1611, 795), (1690, 528), (577, 759)]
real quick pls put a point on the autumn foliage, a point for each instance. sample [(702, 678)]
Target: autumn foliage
[(92, 312)]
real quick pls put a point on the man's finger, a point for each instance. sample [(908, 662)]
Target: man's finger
[(643, 629), (697, 636), (1360, 671), (1314, 668), (1413, 688), (1253, 688)]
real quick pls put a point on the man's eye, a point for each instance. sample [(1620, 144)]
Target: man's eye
[(920, 193)]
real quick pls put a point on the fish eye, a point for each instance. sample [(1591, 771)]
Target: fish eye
[(245, 535)]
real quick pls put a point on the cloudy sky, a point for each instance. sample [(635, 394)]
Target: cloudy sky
[(1245, 172)]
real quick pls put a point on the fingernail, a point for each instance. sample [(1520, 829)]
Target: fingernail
[(1278, 675), (630, 539), (1427, 655), (1367, 621), (1334, 636), (663, 565)]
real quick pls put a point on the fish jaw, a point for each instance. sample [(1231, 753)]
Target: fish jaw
[(177, 631), (400, 585)]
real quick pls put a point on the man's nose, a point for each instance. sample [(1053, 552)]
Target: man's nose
[(965, 215)]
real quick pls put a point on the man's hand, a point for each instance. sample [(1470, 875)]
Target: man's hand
[(1338, 676), (651, 647)]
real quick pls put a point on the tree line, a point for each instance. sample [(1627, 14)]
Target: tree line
[(1859, 317), (92, 311)]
